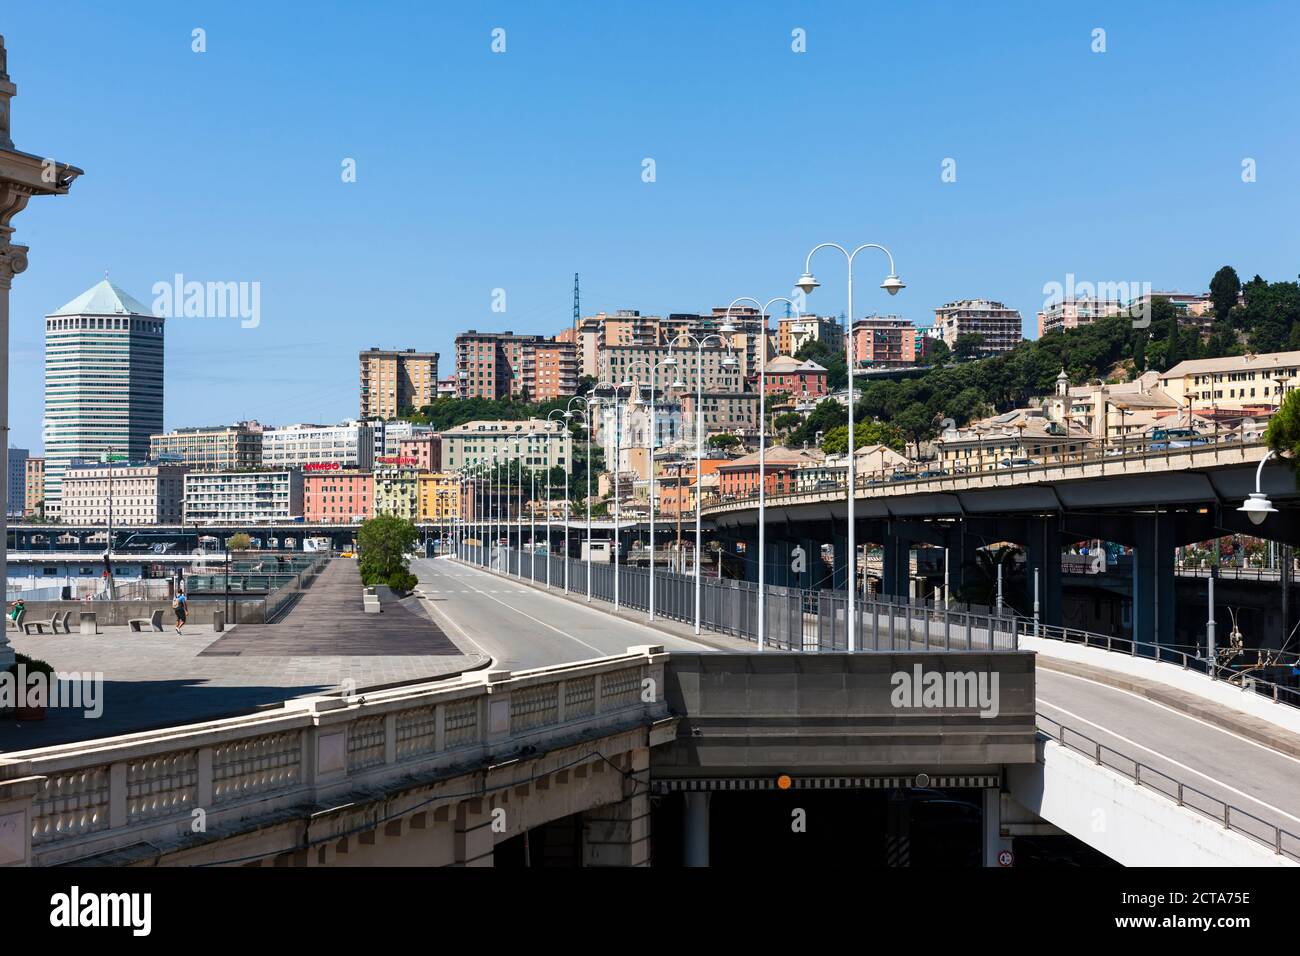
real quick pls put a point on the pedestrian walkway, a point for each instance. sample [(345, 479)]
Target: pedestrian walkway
[(324, 644), (329, 619)]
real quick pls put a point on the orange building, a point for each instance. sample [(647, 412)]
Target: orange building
[(739, 478), (333, 496)]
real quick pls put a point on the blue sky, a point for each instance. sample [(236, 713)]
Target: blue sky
[(478, 171)]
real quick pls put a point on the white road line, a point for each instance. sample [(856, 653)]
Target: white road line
[(603, 614), (1181, 766), (1179, 713)]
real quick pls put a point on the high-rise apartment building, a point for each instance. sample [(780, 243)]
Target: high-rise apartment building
[(795, 332), (885, 340), (211, 448), (103, 382), (500, 364), (34, 495), (1073, 313), (998, 325), (16, 490), (392, 381)]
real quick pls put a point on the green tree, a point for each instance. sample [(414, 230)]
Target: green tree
[(384, 541), (239, 541), (1283, 432), (723, 441), (787, 421), (969, 345), (1225, 288), (827, 415), (871, 432), (940, 355)]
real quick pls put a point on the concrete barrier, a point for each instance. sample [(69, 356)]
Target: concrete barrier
[(120, 613)]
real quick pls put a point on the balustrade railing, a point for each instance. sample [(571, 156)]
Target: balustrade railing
[(97, 796)]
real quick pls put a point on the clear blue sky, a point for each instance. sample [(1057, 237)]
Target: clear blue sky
[(479, 171)]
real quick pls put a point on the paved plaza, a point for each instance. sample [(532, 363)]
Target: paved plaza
[(161, 679)]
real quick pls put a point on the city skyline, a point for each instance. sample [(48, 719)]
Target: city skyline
[(400, 257)]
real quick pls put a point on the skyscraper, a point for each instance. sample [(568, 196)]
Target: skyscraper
[(393, 381), (103, 382)]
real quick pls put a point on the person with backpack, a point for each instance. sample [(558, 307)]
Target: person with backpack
[(181, 606)]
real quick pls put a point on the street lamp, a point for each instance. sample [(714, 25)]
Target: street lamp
[(893, 285), (1258, 507), (653, 369), (762, 448), (728, 361), (587, 403)]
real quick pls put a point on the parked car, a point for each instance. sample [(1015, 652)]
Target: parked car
[(1017, 462)]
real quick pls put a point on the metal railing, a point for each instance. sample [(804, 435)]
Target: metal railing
[(1235, 671), (1280, 841), (1116, 459), (796, 619)]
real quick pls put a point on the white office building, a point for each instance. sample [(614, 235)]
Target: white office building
[(349, 445), (242, 497), (103, 383)]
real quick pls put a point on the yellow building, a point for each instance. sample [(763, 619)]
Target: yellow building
[(439, 496), (397, 492)]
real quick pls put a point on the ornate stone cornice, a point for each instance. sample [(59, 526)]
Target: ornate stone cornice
[(13, 261)]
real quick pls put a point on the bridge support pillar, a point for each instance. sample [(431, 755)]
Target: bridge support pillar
[(695, 830), (1043, 553), (474, 840), (1154, 593), (994, 841), (840, 574), (618, 834), (896, 564), (750, 557)]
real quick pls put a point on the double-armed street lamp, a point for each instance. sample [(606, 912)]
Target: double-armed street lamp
[(762, 447), (893, 285), (653, 369), (585, 417), (728, 361)]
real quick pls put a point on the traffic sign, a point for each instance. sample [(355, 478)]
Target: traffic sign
[(1006, 858)]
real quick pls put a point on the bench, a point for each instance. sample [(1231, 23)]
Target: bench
[(154, 620), (54, 622), (16, 623)]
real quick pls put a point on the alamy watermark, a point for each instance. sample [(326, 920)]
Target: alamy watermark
[(1130, 299), (74, 690), (209, 300), (946, 690)]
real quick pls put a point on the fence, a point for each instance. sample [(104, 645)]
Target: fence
[(794, 619), (1236, 669), (1280, 841)]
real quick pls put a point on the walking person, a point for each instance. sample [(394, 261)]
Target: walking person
[(180, 605)]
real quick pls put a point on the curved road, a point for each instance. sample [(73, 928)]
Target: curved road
[(521, 627)]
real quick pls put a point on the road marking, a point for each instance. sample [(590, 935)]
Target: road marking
[(1179, 713), (593, 610), (1182, 766)]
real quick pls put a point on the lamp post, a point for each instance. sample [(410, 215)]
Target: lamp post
[(728, 361), (762, 448), (568, 474), (653, 369), (892, 285)]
